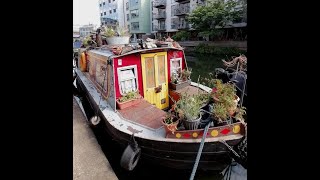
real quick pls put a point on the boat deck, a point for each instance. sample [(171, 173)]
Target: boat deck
[(144, 114)]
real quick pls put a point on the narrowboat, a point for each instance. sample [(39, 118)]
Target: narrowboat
[(104, 77)]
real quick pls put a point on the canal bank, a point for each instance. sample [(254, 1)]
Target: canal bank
[(89, 161)]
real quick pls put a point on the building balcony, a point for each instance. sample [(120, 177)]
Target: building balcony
[(183, 26), (160, 4), (181, 11), (159, 16), (159, 28), (182, 1)]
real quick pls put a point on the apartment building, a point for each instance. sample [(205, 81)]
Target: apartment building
[(112, 12), (169, 16), (133, 14), (139, 17), (86, 30)]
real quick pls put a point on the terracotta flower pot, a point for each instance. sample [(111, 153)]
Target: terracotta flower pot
[(123, 105), (170, 128)]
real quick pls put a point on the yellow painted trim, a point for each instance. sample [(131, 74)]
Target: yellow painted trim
[(214, 133), (236, 129)]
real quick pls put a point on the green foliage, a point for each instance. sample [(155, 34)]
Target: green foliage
[(109, 32), (117, 31), (129, 96), (181, 36), (86, 41), (122, 31), (207, 49), (170, 118), (215, 13), (188, 106)]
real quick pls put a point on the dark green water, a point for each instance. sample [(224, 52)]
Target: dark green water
[(202, 65)]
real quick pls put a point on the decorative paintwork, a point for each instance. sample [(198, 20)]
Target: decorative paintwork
[(212, 132)]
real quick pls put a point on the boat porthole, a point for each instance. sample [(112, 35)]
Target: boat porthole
[(214, 133), (236, 129), (195, 134), (178, 135)]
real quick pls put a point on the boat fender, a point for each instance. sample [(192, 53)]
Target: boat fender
[(95, 120), (83, 62), (130, 156)]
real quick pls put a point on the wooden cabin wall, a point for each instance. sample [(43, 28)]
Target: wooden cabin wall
[(101, 73), (132, 59)]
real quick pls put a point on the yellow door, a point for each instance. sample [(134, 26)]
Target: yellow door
[(155, 79)]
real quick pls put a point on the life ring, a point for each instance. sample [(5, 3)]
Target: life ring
[(130, 158), (83, 62)]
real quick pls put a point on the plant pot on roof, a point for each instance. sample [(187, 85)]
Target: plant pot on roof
[(130, 99), (118, 36), (180, 80)]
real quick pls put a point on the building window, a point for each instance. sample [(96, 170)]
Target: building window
[(109, 1), (128, 79), (134, 13), (127, 5), (127, 17), (114, 10), (104, 3), (135, 26), (113, 0), (175, 66), (105, 13), (101, 14), (110, 11), (100, 5)]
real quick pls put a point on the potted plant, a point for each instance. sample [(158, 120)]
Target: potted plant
[(129, 99), (180, 80), (225, 102), (170, 122), (117, 36), (188, 110)]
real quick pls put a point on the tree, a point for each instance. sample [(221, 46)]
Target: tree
[(216, 13)]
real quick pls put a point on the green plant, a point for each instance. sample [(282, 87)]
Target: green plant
[(129, 96), (109, 32), (185, 74), (181, 36), (86, 41), (122, 31), (240, 112), (117, 31), (226, 101), (188, 106), (170, 118)]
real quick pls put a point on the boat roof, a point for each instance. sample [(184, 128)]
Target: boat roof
[(110, 54)]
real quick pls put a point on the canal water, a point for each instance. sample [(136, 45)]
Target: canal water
[(201, 65)]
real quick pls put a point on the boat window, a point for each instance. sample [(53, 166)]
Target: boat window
[(175, 65), (128, 80)]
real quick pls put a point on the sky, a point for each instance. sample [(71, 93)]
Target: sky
[(85, 12)]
